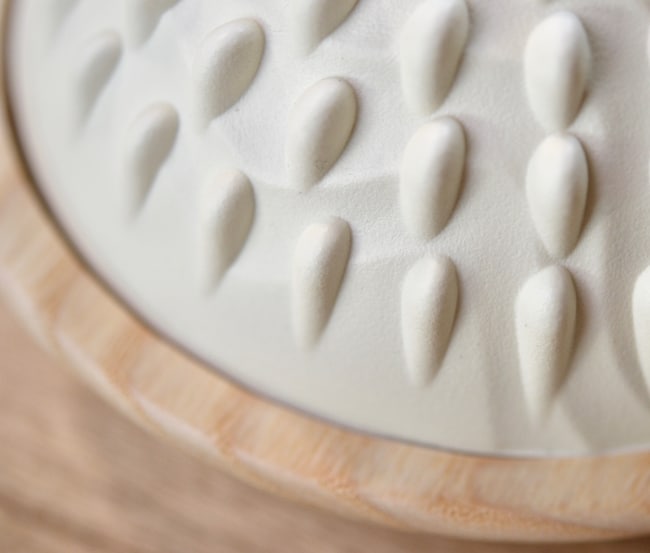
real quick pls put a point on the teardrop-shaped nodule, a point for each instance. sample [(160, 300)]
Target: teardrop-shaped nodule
[(545, 317), (149, 142), (319, 265), (320, 127), (641, 315), (141, 18), (99, 60), (557, 183), (557, 63), (56, 12), (314, 20), (225, 67), (429, 303), (432, 45), (227, 211), (431, 176)]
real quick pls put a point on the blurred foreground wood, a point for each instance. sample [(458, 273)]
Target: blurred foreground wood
[(75, 476)]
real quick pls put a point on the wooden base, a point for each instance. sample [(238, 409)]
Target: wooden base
[(109, 487), (274, 447)]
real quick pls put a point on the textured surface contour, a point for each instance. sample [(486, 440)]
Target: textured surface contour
[(432, 227)]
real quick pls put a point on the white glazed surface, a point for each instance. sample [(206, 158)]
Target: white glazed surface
[(424, 219)]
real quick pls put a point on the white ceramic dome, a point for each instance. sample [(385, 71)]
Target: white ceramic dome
[(426, 219)]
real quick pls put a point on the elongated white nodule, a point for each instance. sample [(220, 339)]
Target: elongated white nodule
[(641, 314), (320, 127), (557, 63), (557, 184), (141, 17), (431, 176), (227, 63), (545, 317), (99, 60), (432, 45), (429, 303), (319, 265), (56, 12), (149, 142), (314, 20), (227, 211)]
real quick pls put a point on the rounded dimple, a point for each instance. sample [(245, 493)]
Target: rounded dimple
[(99, 59), (141, 17), (314, 20), (225, 66), (557, 184), (545, 318), (557, 62), (432, 44), (319, 264), (148, 143), (227, 211), (431, 176), (320, 128), (429, 304), (641, 316)]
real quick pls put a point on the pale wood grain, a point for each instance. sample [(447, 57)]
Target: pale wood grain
[(76, 477), (276, 448)]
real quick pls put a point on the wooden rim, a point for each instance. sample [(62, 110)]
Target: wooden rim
[(274, 447)]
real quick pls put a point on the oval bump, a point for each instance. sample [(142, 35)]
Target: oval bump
[(314, 20), (100, 58), (227, 212), (545, 320), (431, 176), (641, 316), (320, 127), (149, 142), (319, 265), (225, 67), (557, 184), (57, 11), (557, 64), (429, 304), (431, 46), (141, 17)]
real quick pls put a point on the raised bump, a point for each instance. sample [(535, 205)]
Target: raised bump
[(149, 142), (320, 128), (557, 183), (545, 318), (227, 211), (557, 63), (99, 59), (225, 67), (429, 304), (641, 316), (431, 176), (432, 44), (141, 17), (319, 265), (314, 20), (58, 11)]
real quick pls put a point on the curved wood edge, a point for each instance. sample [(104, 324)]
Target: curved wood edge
[(275, 448)]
